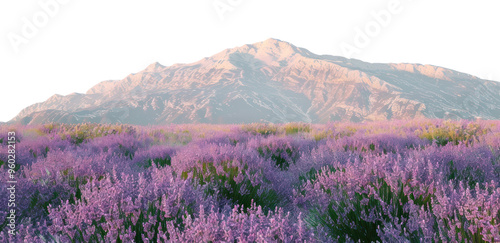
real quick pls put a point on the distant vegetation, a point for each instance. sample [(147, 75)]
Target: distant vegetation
[(398, 181)]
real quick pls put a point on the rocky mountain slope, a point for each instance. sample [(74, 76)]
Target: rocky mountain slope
[(274, 81)]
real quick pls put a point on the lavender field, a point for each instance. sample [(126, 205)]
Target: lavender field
[(397, 181)]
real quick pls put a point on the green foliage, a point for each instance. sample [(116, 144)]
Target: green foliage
[(312, 174), (348, 217), (171, 137), (263, 129), (372, 147), (127, 152), (141, 219), (451, 133), (76, 182), (294, 128), (41, 203), (159, 162), (224, 183), (320, 136), (84, 132), (462, 226), (278, 156), (470, 175)]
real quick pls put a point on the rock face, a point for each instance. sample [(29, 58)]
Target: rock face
[(274, 81)]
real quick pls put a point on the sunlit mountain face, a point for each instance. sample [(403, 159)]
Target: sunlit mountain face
[(274, 81)]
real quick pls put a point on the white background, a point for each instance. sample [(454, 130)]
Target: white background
[(88, 41)]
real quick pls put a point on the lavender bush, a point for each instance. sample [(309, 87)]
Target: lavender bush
[(397, 181)]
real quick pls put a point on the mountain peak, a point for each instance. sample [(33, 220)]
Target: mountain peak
[(274, 41), (55, 97), (274, 44), (154, 67), (270, 51), (275, 81)]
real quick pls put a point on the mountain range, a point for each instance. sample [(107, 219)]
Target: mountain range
[(274, 81)]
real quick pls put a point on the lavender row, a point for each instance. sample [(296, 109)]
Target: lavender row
[(397, 181)]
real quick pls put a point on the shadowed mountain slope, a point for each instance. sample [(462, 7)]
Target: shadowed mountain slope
[(274, 81)]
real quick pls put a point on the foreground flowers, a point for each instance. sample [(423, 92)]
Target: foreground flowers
[(417, 181)]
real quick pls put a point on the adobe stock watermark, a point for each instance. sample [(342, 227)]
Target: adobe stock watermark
[(224, 6), (11, 180), (364, 36), (32, 26)]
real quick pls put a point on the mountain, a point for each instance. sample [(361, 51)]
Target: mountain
[(274, 81)]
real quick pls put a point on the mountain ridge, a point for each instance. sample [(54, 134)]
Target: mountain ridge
[(274, 81)]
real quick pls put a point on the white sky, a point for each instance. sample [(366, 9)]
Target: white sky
[(85, 42)]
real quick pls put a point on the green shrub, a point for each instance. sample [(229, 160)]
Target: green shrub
[(340, 216), (225, 185)]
